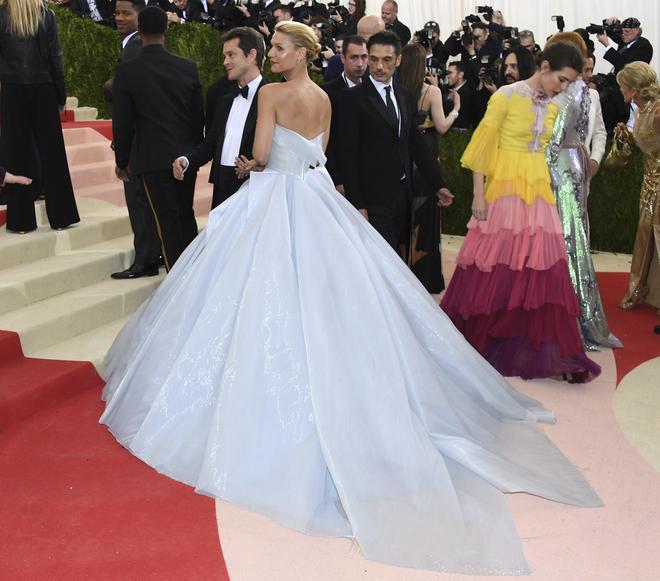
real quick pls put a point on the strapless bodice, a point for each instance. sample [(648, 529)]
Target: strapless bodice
[(293, 154)]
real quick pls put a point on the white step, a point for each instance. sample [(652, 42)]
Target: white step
[(85, 113), (65, 316), (92, 174), (36, 281), (77, 135), (71, 102), (89, 153), (91, 346), (100, 222)]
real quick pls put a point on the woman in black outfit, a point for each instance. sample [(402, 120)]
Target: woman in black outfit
[(423, 246), (33, 94)]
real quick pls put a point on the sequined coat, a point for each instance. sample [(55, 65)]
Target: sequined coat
[(568, 160), (644, 285)]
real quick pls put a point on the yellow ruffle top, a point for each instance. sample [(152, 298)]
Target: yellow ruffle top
[(508, 146)]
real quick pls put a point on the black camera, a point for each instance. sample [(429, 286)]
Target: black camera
[(604, 28), (425, 38), (510, 34), (487, 11), (466, 38), (559, 21), (336, 7), (489, 72)]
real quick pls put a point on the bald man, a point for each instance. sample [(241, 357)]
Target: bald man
[(367, 26)]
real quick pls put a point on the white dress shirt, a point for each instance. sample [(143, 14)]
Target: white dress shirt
[(596, 133), (236, 123), (380, 87), (348, 81), (128, 37)]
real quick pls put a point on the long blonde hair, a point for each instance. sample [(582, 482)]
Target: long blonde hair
[(642, 78), (25, 16)]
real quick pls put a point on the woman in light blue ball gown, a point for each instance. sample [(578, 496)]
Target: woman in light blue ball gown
[(292, 364)]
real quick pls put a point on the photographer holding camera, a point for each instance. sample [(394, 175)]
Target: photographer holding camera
[(474, 45), (628, 35)]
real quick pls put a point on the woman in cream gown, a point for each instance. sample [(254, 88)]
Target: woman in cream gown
[(292, 364)]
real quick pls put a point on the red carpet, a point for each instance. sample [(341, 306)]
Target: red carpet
[(634, 328), (3, 217), (103, 127), (75, 505)]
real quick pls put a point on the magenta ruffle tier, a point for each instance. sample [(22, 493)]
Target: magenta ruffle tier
[(511, 295)]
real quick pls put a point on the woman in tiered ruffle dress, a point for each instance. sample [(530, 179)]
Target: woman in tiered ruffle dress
[(511, 295)]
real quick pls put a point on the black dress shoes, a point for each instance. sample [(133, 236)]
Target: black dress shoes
[(136, 271)]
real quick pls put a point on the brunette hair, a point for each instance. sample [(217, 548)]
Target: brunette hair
[(412, 69), (248, 39), (574, 37), (562, 54)]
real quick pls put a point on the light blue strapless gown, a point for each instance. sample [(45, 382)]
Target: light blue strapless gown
[(292, 364)]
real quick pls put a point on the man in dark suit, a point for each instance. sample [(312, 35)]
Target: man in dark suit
[(145, 237), (157, 100), (389, 12), (632, 45), (457, 81), (354, 57), (235, 118), (379, 139)]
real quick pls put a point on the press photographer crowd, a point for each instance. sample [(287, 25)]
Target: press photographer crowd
[(482, 54)]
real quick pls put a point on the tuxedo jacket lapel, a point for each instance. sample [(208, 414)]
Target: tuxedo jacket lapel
[(251, 122), (379, 105), (222, 116), (403, 112)]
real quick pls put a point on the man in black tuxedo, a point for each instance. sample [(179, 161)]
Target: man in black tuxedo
[(457, 81), (379, 139), (157, 100), (145, 237), (389, 12), (632, 45), (354, 58), (235, 118)]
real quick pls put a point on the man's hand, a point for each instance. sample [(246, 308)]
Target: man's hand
[(603, 39), (490, 87), (173, 17), (244, 10), (10, 178), (431, 79), (445, 197), (364, 213), (327, 54), (340, 189), (123, 174), (593, 165), (179, 167), (264, 30)]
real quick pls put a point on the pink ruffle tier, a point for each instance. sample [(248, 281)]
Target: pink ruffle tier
[(516, 234)]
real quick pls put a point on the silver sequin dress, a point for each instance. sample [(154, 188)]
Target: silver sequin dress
[(568, 159)]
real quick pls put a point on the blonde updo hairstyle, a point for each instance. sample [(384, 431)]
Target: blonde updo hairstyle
[(640, 77), (302, 36)]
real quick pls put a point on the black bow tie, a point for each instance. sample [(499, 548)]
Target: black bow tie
[(241, 91)]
